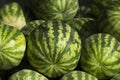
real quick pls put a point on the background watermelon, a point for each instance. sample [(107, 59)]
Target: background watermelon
[(55, 48), (54, 9), (109, 22)]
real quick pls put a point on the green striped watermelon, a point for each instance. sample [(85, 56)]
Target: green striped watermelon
[(12, 14), (78, 75), (78, 23), (54, 9), (54, 48), (116, 77), (27, 74), (110, 21), (100, 56), (12, 47), (31, 26)]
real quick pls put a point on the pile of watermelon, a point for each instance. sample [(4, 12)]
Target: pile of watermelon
[(60, 40)]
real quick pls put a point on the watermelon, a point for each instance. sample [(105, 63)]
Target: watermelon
[(77, 23), (12, 47), (27, 74), (54, 9), (78, 75), (116, 77), (12, 14), (54, 48), (99, 7), (109, 22), (101, 52), (31, 26), (83, 11)]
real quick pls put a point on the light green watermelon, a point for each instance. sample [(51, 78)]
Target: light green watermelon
[(27, 74), (100, 56), (54, 48), (110, 21), (78, 75), (12, 14), (12, 47), (54, 9), (31, 26), (116, 77)]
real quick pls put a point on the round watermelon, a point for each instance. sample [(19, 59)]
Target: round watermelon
[(54, 9), (12, 47), (78, 75), (12, 14), (116, 77), (27, 74), (110, 21), (54, 48), (100, 56)]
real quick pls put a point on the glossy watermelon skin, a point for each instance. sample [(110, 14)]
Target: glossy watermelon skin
[(110, 21), (54, 9), (12, 47), (54, 48), (78, 75), (27, 74), (12, 14), (101, 52)]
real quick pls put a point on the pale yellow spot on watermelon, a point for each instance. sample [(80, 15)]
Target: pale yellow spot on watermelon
[(17, 22), (12, 43)]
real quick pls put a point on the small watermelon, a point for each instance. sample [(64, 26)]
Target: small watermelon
[(116, 77), (54, 48), (12, 14), (78, 75), (12, 47), (54, 9), (27, 74), (100, 56)]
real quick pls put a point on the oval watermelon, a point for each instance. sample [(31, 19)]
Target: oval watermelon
[(27, 74), (54, 48), (12, 47), (101, 56), (54, 9), (78, 75), (12, 14)]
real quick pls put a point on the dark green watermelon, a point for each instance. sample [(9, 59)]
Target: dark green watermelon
[(54, 9)]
